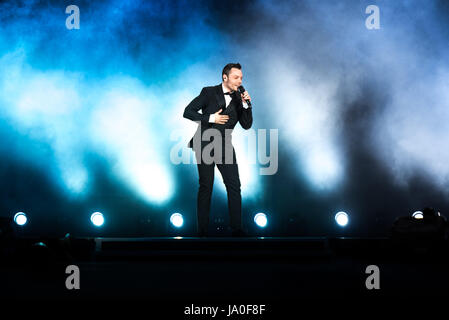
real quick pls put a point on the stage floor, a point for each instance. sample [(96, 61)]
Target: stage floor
[(259, 270)]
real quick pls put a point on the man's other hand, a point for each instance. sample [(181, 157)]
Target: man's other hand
[(219, 118)]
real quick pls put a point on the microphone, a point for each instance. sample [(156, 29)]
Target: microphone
[(242, 90)]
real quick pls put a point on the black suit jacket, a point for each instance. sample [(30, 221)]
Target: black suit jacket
[(210, 100)]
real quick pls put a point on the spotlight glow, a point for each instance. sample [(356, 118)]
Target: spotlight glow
[(261, 219), (418, 215), (342, 219), (20, 218), (97, 219), (177, 220), (118, 128)]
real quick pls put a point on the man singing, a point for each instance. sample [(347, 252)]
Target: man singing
[(222, 107)]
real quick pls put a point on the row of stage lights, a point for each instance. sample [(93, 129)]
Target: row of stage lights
[(177, 220)]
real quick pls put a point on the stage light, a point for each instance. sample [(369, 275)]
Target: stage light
[(177, 220), (97, 219), (342, 218), (20, 218), (418, 215), (261, 219)]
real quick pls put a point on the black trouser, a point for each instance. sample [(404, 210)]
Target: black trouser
[(230, 174)]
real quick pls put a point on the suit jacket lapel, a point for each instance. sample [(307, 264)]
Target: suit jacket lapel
[(219, 95)]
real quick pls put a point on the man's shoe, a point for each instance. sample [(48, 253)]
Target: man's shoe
[(239, 233), (202, 234)]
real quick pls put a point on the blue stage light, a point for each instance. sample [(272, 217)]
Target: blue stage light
[(97, 219), (177, 220), (20, 218), (342, 218), (261, 219)]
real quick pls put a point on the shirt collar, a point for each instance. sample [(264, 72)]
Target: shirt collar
[(223, 88)]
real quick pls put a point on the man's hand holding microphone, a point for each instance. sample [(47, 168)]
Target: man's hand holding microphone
[(223, 118)]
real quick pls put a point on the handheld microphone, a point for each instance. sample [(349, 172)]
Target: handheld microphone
[(242, 90)]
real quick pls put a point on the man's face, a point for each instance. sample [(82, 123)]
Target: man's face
[(234, 80)]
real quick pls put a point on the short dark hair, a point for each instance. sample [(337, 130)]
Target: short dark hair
[(228, 68)]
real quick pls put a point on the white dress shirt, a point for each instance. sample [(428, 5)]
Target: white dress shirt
[(228, 101)]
